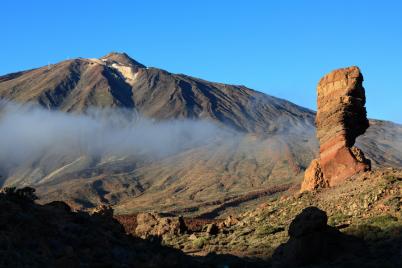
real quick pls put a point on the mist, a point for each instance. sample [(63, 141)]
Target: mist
[(28, 132)]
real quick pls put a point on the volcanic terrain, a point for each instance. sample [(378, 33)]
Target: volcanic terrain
[(265, 145)]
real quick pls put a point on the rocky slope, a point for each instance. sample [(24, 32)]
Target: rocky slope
[(357, 223), (53, 236), (274, 139), (366, 209)]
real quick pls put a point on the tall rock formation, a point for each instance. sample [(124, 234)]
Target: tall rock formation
[(340, 119)]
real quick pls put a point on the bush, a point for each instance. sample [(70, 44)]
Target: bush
[(199, 242), (265, 230), (394, 203), (337, 219), (380, 227), (365, 231), (392, 179), (23, 194), (383, 221)]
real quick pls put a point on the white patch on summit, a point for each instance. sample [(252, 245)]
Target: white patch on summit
[(127, 72)]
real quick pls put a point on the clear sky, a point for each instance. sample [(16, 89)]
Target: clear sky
[(281, 48)]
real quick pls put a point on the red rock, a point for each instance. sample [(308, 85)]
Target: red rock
[(340, 119), (313, 177)]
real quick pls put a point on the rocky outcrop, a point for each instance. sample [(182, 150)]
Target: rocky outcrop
[(312, 241), (212, 229), (150, 224), (341, 118), (52, 235), (103, 210), (313, 177)]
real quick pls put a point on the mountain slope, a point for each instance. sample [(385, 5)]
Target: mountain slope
[(271, 141), (118, 81)]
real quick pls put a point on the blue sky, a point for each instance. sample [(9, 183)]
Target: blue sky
[(281, 48)]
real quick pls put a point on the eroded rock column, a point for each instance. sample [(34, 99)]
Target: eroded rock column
[(341, 118)]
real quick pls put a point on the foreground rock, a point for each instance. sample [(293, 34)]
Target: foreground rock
[(312, 241), (150, 224), (52, 235), (341, 118)]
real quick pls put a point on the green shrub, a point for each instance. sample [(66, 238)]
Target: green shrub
[(365, 231), (394, 203), (265, 230), (380, 227), (199, 242), (337, 219), (383, 221), (392, 179)]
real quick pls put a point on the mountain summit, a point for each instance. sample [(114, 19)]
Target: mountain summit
[(122, 59)]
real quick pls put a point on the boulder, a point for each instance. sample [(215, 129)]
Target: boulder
[(309, 221), (230, 220), (212, 229), (313, 177), (62, 206), (151, 224), (103, 211), (312, 241)]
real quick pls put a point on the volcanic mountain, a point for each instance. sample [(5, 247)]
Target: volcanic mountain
[(271, 141)]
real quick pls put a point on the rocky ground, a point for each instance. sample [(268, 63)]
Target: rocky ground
[(367, 207), (358, 223), (51, 235)]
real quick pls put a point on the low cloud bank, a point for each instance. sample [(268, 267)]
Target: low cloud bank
[(28, 132)]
